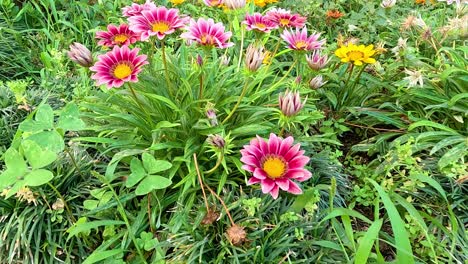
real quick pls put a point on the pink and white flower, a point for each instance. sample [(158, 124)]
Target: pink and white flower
[(259, 23), (136, 9), (316, 61), (213, 3), (159, 22), (274, 164), (284, 19), (208, 33), (118, 66), (298, 40), (114, 35)]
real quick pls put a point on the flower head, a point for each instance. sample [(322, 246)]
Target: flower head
[(317, 82), (284, 19), (114, 35), (290, 103), (274, 164), (159, 22), (213, 3), (262, 3), (176, 2), (316, 61), (118, 66), (260, 23), (81, 55), (207, 33), (356, 54), (254, 57), (334, 14), (136, 9), (298, 40), (414, 78)]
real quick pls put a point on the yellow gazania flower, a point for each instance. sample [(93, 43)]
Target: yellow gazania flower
[(268, 57), (176, 2), (262, 3), (420, 2), (356, 54)]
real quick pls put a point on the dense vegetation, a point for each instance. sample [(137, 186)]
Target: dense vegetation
[(224, 132)]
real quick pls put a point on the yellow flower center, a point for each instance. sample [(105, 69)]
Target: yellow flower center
[(121, 38), (301, 44), (260, 25), (284, 22), (122, 70), (275, 167), (160, 27), (355, 55), (206, 40)]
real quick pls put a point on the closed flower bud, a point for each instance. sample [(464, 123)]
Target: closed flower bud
[(211, 114), (216, 141), (254, 57), (235, 4), (81, 55), (199, 60), (224, 59), (316, 61), (317, 82), (388, 3), (290, 103)]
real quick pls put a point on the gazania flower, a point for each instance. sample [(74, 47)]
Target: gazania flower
[(158, 22), (81, 55), (259, 23), (283, 18), (420, 2), (120, 35), (388, 3), (334, 14), (254, 57), (316, 61), (118, 66), (234, 4), (214, 3), (274, 164), (298, 40), (136, 9), (176, 2), (356, 54), (414, 78), (207, 33), (262, 3), (290, 103)]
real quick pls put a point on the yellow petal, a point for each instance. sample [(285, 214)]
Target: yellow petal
[(358, 63), (369, 60)]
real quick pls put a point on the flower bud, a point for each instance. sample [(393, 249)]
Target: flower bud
[(290, 103), (388, 3), (199, 60), (216, 141), (81, 55), (211, 114), (224, 59), (317, 82), (235, 4), (254, 57), (316, 61)]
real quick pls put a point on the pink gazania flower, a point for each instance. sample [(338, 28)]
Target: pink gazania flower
[(298, 40), (259, 23), (118, 66), (120, 35), (316, 61), (274, 164), (136, 9), (159, 22), (207, 33), (284, 19), (213, 3)]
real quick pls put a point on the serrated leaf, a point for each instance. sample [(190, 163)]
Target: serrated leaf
[(138, 173), (38, 177), (152, 182), (154, 166), (70, 118), (36, 156)]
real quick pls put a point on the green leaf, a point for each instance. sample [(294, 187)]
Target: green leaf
[(402, 242), (301, 201), (97, 256), (14, 162), (453, 155), (345, 211), (431, 124), (36, 156), (154, 166), (70, 118), (138, 173), (152, 182), (49, 140), (87, 226), (45, 115), (7, 178), (38, 177), (366, 242)]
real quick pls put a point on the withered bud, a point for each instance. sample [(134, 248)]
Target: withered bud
[(254, 57), (236, 235), (210, 217), (81, 55), (58, 205), (216, 140)]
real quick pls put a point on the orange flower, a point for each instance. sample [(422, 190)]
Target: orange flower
[(420, 2), (334, 14)]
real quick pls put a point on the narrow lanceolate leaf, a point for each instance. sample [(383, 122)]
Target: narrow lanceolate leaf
[(402, 242), (366, 243), (431, 124)]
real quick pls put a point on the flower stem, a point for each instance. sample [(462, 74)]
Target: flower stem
[(140, 105), (218, 163), (244, 91), (241, 47), (65, 204), (201, 181), (200, 93), (166, 71)]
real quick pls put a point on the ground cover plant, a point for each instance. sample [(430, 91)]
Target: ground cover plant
[(233, 131)]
